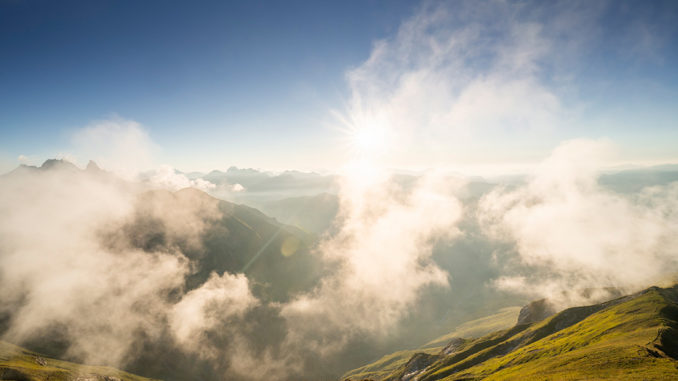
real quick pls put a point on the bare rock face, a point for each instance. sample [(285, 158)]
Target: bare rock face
[(58, 164), (40, 361), (416, 365), (453, 346), (535, 311)]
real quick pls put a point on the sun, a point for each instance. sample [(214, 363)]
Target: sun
[(368, 146), (368, 142), (365, 135)]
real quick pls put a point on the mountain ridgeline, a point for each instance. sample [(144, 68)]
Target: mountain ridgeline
[(238, 239), (633, 337)]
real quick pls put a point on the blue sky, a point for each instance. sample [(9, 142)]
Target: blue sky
[(259, 84)]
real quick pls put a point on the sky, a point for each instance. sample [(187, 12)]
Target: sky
[(312, 85)]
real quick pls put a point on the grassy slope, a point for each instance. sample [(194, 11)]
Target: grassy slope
[(17, 363), (505, 318), (630, 338), (391, 363)]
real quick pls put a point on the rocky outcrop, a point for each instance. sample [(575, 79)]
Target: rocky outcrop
[(417, 364), (535, 311), (453, 346)]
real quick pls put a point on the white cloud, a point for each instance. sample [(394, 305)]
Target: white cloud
[(166, 177), (118, 145), (56, 269), (564, 224), (454, 77), (67, 259), (383, 253), (202, 309)]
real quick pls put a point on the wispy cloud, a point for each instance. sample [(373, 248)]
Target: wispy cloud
[(167, 177), (383, 257), (456, 74), (576, 235), (117, 144), (57, 271)]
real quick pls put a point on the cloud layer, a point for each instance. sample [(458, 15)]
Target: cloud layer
[(583, 236), (57, 271)]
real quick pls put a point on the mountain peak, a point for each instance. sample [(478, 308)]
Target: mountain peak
[(57, 164), (243, 171), (535, 311), (92, 167)]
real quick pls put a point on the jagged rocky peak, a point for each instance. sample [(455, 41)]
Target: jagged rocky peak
[(92, 167), (58, 164), (536, 311)]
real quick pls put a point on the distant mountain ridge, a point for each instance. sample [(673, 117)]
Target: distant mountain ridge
[(260, 181), (312, 213)]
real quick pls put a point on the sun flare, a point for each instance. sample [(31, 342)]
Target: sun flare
[(369, 140)]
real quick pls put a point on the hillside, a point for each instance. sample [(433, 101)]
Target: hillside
[(209, 235), (216, 235), (239, 239), (19, 364), (314, 214), (390, 363), (633, 337)]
